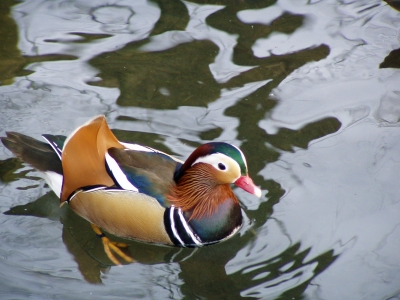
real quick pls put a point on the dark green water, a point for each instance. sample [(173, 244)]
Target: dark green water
[(310, 91)]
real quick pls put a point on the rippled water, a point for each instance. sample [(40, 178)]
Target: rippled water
[(310, 90)]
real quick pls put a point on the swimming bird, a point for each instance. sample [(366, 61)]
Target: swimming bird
[(137, 192)]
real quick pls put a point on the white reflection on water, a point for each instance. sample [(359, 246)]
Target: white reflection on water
[(343, 83), (125, 21), (274, 288), (55, 83)]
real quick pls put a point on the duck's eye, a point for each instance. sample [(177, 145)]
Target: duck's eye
[(221, 166)]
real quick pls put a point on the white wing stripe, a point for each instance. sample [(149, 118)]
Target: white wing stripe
[(137, 147), (119, 176)]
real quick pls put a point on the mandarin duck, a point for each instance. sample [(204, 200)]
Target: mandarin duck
[(137, 192)]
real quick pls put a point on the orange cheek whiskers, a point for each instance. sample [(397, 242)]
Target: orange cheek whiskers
[(199, 192)]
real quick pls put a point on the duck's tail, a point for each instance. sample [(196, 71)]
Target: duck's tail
[(42, 156), (39, 155)]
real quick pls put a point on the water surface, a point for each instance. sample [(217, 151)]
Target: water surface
[(308, 89)]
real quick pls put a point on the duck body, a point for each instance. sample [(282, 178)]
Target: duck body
[(140, 193)]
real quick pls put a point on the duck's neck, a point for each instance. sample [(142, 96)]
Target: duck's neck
[(211, 209)]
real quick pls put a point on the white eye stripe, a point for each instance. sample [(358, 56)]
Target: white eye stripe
[(218, 158), (213, 159)]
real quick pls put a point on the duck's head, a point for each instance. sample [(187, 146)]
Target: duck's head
[(226, 163)]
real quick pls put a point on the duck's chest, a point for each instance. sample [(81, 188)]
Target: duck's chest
[(225, 221)]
